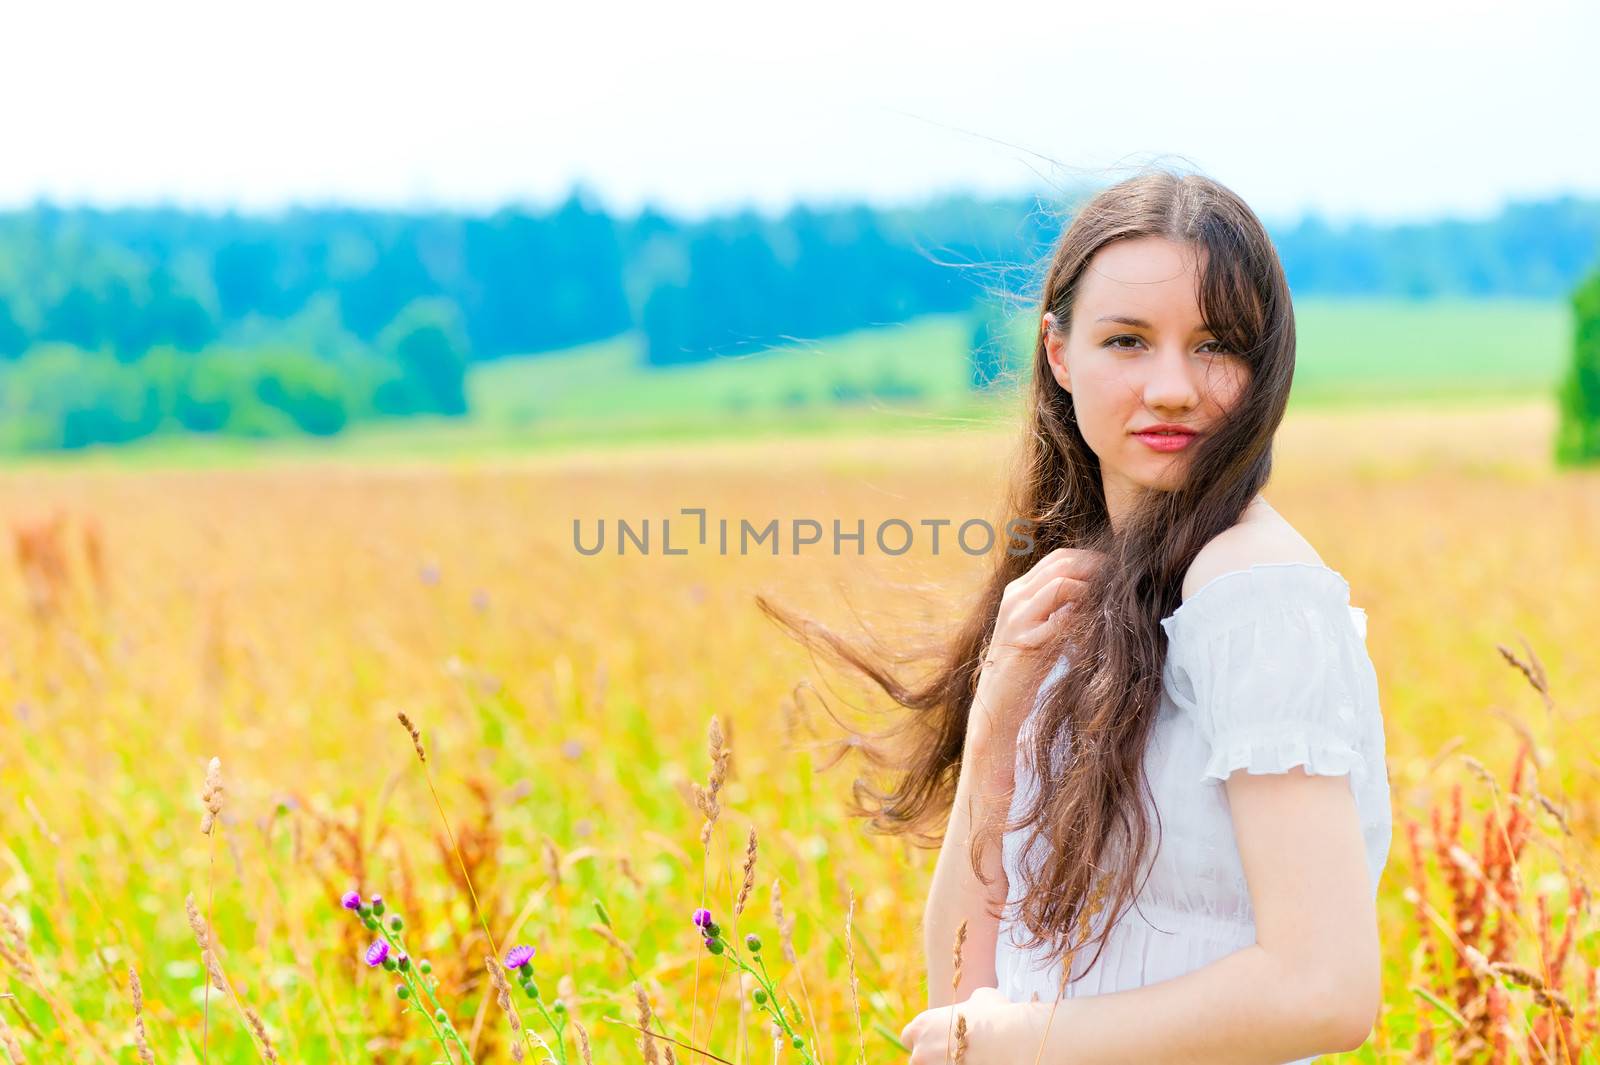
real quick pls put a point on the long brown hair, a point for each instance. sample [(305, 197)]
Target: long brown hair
[(1090, 809)]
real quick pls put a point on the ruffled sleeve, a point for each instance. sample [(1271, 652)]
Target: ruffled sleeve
[(1272, 662)]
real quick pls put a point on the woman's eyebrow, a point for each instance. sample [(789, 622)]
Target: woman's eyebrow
[(1140, 323)]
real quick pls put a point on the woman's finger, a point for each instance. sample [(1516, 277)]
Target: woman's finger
[(1050, 597), (1029, 623), (1021, 587), (1042, 633), (1076, 563)]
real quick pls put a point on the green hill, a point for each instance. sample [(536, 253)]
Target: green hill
[(1348, 350), (901, 377)]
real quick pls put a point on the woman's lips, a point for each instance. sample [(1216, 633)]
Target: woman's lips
[(1166, 441)]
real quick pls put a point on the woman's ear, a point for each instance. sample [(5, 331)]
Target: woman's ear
[(1055, 347)]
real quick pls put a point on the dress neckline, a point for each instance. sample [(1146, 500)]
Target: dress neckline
[(1219, 578)]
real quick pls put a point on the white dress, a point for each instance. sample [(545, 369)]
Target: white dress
[(1266, 669)]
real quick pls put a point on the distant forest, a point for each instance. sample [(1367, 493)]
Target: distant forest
[(118, 324)]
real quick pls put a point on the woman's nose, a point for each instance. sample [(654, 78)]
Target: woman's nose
[(1174, 381)]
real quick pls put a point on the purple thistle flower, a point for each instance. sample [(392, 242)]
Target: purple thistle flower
[(517, 957), (702, 917), (377, 952), (350, 900), (377, 900)]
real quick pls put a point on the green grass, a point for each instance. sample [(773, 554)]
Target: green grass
[(1382, 351), (1347, 350), (920, 363), (909, 377)]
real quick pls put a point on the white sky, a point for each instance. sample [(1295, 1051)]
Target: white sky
[(1377, 108)]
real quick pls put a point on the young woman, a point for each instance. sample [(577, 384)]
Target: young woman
[(1173, 840)]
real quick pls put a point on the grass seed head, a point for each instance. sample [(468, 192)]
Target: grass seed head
[(961, 940), (785, 927), (708, 797), (583, 1041), (610, 936), (260, 1029), (647, 1043), (502, 995), (416, 737), (211, 796), (749, 873), (9, 1040)]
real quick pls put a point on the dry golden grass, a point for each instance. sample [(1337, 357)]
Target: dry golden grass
[(278, 620)]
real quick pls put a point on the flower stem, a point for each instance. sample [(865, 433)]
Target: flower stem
[(771, 1005), (420, 1008), (418, 980)]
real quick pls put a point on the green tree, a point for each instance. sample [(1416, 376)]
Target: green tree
[(59, 396), (305, 388), (427, 343), (13, 338), (1578, 431)]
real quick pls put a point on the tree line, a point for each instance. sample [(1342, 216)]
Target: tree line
[(115, 324)]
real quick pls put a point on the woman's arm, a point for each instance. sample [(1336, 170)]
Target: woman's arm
[(987, 769), (1310, 984), (1029, 615)]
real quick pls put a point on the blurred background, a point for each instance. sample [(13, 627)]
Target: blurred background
[(324, 329), (366, 232)]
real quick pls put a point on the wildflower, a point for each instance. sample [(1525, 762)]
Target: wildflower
[(517, 957), (350, 901), (702, 917), (753, 941), (377, 952), (377, 905)]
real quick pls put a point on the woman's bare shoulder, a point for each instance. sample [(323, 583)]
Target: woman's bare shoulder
[(1261, 535)]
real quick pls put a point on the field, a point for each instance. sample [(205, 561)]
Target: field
[(1348, 350), (278, 616), (910, 377)]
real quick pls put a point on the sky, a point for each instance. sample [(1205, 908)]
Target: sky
[(1356, 109)]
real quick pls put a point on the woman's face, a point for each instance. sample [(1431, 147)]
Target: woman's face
[(1138, 355)]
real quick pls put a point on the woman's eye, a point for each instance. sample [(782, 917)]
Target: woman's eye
[(1216, 347)]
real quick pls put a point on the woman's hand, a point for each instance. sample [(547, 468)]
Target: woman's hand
[(1031, 609), (994, 1034)]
